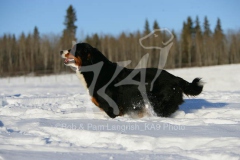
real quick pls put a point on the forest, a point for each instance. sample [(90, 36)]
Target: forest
[(196, 45)]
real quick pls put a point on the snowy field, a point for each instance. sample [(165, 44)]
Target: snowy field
[(52, 117)]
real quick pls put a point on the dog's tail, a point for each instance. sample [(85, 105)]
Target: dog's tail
[(192, 89)]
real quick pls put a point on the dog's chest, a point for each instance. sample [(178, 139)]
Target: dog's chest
[(81, 78)]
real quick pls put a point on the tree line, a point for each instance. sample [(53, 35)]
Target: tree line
[(196, 45)]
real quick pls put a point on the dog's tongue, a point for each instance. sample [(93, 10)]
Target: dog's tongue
[(68, 61)]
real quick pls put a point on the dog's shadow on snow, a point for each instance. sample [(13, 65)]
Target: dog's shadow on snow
[(190, 105)]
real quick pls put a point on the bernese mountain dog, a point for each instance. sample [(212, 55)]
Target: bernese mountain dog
[(118, 90)]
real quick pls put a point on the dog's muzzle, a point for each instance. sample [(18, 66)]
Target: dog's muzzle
[(68, 60)]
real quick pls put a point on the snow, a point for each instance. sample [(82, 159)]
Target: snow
[(52, 117)]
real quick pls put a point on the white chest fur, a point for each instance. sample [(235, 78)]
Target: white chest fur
[(81, 78)]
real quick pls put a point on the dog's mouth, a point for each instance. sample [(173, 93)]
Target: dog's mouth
[(69, 61)]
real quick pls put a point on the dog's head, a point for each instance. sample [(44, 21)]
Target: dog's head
[(79, 55)]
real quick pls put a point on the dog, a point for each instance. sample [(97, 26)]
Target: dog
[(118, 90)]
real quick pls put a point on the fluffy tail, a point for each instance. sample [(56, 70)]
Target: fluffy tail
[(192, 89)]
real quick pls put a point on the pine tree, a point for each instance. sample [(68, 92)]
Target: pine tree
[(207, 30), (155, 25), (233, 49), (190, 28), (35, 49), (156, 41), (70, 30), (70, 20), (9, 52), (14, 52), (146, 27), (173, 56), (219, 44), (4, 54), (190, 36), (36, 36), (187, 41), (22, 51), (28, 56), (218, 29), (183, 45), (207, 43), (198, 43), (198, 27)]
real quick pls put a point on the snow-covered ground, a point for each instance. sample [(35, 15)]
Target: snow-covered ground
[(52, 117)]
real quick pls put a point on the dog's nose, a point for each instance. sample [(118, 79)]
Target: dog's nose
[(61, 52)]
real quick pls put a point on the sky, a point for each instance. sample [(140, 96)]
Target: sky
[(113, 17)]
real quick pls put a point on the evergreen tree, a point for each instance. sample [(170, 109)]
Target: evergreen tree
[(184, 44), (219, 44), (190, 28), (70, 30), (155, 25), (146, 27), (35, 56), (29, 54), (198, 43), (207, 31), (187, 41), (36, 36), (9, 53), (22, 51), (198, 27), (157, 40), (173, 55), (70, 19), (190, 38), (218, 29), (4, 54), (207, 43), (14, 50)]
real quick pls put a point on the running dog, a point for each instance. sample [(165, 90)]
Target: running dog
[(118, 90)]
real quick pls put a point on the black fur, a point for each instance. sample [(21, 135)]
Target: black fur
[(166, 96)]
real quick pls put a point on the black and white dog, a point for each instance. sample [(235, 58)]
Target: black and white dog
[(118, 90)]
